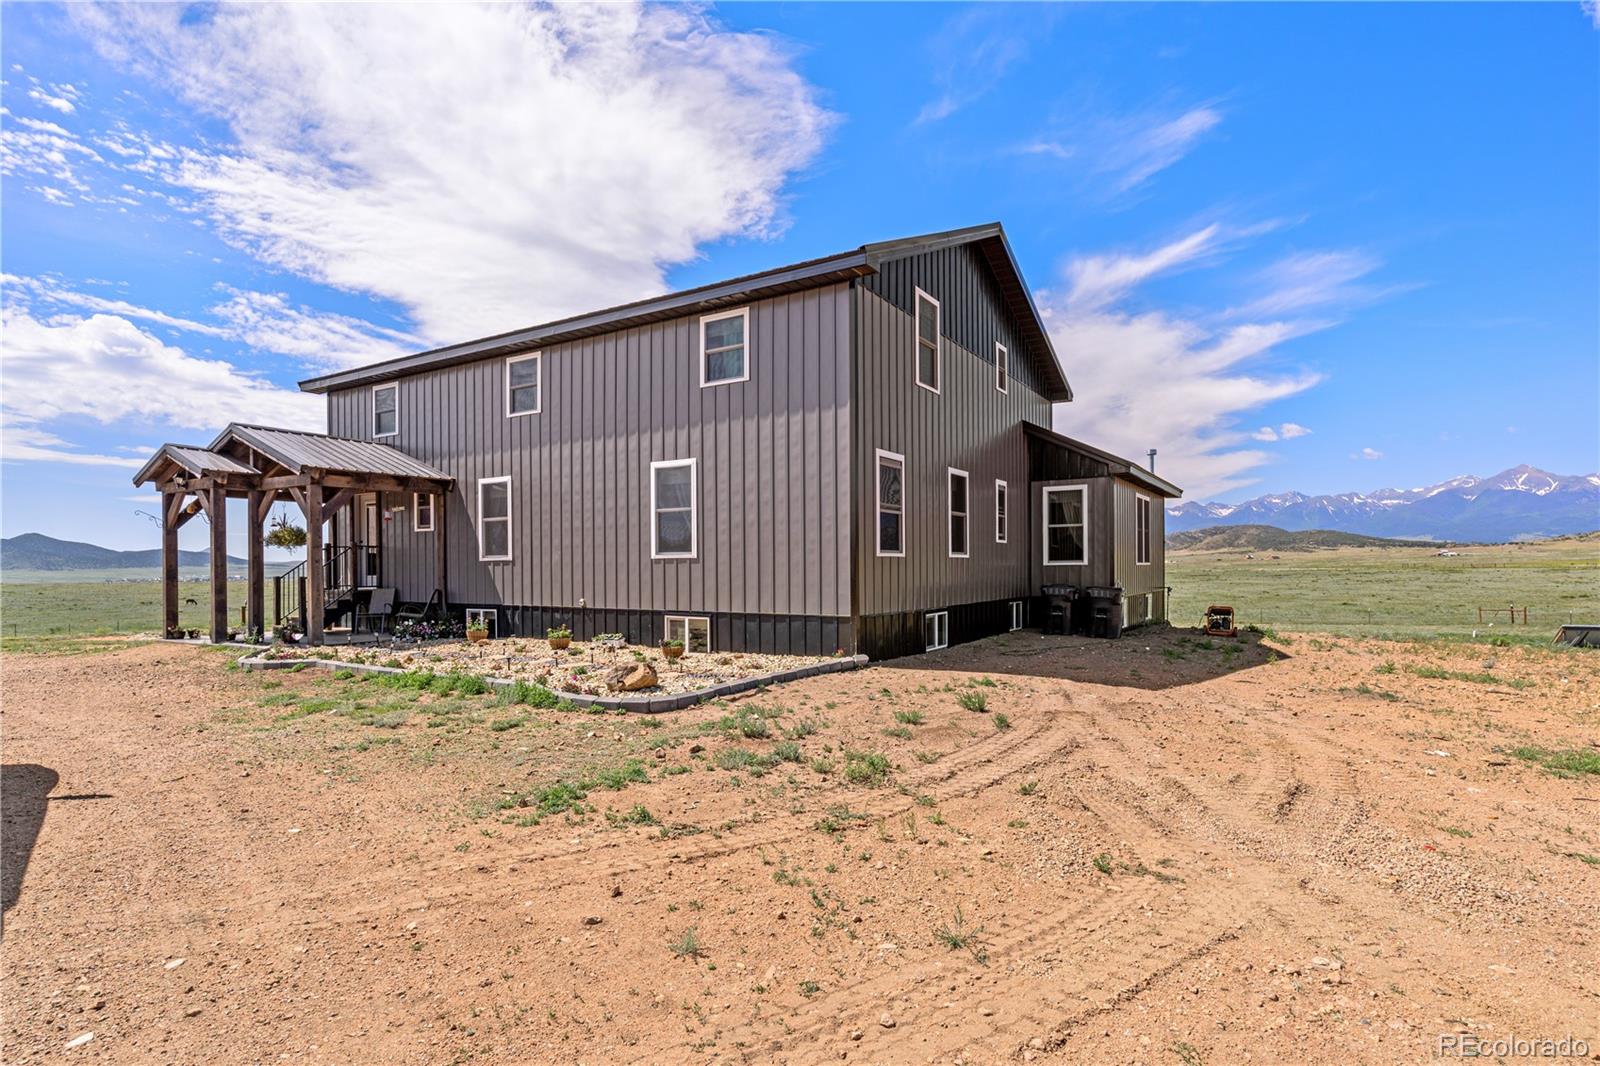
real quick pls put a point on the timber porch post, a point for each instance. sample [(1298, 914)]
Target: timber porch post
[(315, 577), (257, 503), (218, 507), (171, 504)]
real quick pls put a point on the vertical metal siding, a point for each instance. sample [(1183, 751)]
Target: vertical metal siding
[(973, 314), (969, 425), (773, 468)]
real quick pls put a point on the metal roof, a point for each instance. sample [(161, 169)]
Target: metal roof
[(990, 237), (300, 452), (198, 461), (1120, 467)]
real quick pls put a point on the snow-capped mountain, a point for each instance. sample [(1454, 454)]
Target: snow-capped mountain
[(1516, 504)]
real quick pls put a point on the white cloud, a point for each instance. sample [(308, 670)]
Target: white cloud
[(57, 103), (25, 444), (1311, 279), (48, 291), (599, 145), (1097, 280), (1286, 431), (271, 322), (1367, 453), (971, 52), (105, 369), (1123, 153), (1175, 382)]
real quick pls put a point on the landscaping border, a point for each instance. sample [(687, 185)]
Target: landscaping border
[(635, 705)]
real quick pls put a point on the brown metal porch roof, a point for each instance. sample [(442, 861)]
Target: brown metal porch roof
[(295, 451)]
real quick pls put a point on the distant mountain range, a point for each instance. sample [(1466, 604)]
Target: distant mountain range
[(35, 551), (1271, 538), (1522, 503)]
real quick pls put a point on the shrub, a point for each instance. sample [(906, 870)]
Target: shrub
[(973, 701), (687, 946), (787, 751), (868, 768), (908, 717)]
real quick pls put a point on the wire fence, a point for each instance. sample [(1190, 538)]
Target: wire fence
[(1501, 616)]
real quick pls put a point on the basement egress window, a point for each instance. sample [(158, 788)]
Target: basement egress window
[(672, 509), (694, 631), (489, 616), (936, 629), (723, 349)]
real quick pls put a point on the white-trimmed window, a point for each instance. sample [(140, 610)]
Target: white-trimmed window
[(927, 341), (674, 528), (1141, 530), (936, 630), (489, 616), (422, 512), (494, 519), (1002, 367), (1066, 525), (891, 503), (959, 504), (725, 347), (386, 409), (1002, 507), (524, 384), (693, 630), (1016, 615)]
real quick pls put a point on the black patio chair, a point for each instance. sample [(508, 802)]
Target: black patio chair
[(430, 611), (375, 615)]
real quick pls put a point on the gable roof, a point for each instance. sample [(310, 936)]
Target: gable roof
[(291, 449), (1119, 467), (990, 239), (299, 451)]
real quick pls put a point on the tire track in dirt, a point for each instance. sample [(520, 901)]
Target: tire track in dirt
[(962, 773)]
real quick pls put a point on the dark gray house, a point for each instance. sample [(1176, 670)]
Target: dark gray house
[(848, 453)]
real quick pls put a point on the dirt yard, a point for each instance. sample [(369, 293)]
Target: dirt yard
[(1158, 850)]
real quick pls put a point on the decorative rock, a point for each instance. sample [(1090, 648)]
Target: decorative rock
[(641, 676)]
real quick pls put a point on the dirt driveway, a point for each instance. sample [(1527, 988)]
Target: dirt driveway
[(1159, 850)]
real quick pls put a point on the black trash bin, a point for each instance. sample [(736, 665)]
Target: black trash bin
[(1105, 611), (1060, 602)]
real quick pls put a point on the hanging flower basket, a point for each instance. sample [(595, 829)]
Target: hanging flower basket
[(284, 534)]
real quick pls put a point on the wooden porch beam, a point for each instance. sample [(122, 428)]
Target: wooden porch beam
[(338, 499), (285, 481)]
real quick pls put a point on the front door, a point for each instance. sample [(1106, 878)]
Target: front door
[(370, 541)]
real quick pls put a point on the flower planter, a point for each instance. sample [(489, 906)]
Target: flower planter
[(477, 636), (672, 651), (560, 643)]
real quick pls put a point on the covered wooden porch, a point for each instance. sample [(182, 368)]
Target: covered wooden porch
[(262, 466)]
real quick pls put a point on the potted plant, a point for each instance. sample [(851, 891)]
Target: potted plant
[(559, 637), (477, 631), (672, 649)]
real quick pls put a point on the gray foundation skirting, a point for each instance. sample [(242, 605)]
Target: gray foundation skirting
[(637, 705)]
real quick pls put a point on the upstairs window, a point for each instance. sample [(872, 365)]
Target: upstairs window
[(1065, 525), (891, 503), (1141, 530), (494, 519), (1002, 368), (927, 341), (421, 512), (1001, 505), (524, 381), (386, 410), (724, 347), (958, 514), (672, 509)]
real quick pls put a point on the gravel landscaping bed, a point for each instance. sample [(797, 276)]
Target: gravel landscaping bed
[(586, 668)]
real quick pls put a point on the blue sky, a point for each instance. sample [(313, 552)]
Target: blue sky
[(1302, 246)]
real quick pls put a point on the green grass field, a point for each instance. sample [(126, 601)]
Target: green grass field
[(1395, 591), (30, 610)]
